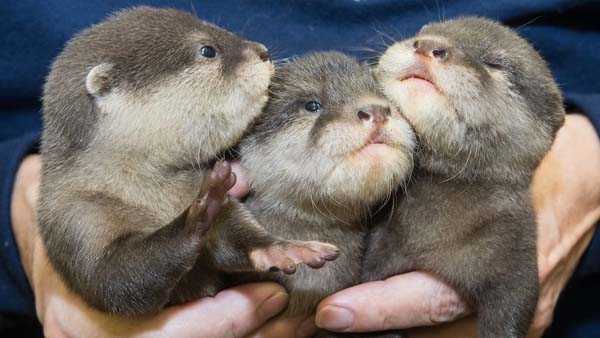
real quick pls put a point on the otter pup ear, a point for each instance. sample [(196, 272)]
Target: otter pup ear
[(98, 79)]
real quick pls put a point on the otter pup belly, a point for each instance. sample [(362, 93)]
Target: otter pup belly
[(136, 110), (486, 109), (327, 148)]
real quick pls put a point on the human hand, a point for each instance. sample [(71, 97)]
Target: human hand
[(235, 312), (566, 195), (567, 202)]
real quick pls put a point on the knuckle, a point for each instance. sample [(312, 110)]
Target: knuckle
[(388, 322), (445, 306)]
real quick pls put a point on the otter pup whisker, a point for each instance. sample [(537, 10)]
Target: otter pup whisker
[(485, 115), (136, 110), (316, 172)]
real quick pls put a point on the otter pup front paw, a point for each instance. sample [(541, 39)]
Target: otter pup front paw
[(285, 255), (212, 197)]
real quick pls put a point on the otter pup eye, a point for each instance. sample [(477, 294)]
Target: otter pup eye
[(312, 106), (208, 52), (495, 64)]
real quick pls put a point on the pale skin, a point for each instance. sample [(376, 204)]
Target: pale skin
[(566, 193)]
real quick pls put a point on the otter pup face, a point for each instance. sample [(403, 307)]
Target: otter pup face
[(159, 78), (472, 84), (328, 133)]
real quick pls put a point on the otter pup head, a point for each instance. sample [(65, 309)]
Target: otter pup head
[(328, 134), (158, 82), (482, 101)]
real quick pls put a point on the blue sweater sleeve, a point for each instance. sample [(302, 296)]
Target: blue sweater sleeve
[(15, 294), (588, 104)]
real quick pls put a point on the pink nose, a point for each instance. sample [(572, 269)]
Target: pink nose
[(431, 48), (374, 113)]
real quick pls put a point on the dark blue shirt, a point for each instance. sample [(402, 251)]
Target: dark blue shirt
[(566, 32)]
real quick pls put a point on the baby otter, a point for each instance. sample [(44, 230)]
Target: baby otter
[(136, 110), (327, 147), (485, 109)]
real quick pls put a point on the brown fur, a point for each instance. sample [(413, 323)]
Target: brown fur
[(134, 117), (467, 216), (309, 179)]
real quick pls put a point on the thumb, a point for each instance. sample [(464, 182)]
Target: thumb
[(400, 302), (234, 312)]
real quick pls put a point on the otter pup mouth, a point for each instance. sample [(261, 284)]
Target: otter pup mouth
[(376, 144), (376, 138), (417, 73), (374, 149)]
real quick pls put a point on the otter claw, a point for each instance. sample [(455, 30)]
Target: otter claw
[(212, 197)]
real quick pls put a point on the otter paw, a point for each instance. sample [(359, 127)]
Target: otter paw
[(286, 255), (212, 197)]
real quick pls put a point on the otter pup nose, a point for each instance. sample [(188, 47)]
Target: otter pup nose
[(264, 56), (261, 50), (431, 48), (376, 113)]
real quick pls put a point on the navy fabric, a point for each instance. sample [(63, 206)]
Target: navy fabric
[(15, 293), (33, 32)]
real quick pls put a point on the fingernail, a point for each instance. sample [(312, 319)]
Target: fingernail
[(334, 318), (274, 304), (307, 328)]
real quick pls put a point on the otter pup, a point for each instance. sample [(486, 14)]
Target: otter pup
[(327, 147), (485, 109), (136, 110)]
